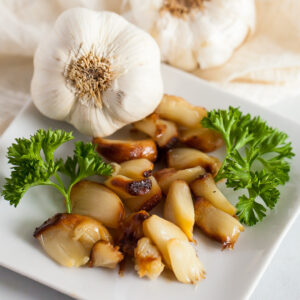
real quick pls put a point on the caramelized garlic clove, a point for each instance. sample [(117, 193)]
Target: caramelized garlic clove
[(69, 238), (137, 194), (184, 261), (206, 187), (182, 158), (105, 255), (163, 132), (217, 224), (130, 231), (126, 187), (180, 111), (97, 201), (179, 207), (147, 201), (136, 168), (148, 261), (120, 151), (165, 177), (204, 139), (160, 231)]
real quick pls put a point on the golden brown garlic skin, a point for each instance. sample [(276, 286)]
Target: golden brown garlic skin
[(204, 139), (69, 238), (217, 224), (131, 230), (120, 151)]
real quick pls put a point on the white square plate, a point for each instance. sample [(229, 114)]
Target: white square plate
[(230, 274)]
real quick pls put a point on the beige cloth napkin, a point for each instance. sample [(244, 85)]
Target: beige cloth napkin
[(265, 69)]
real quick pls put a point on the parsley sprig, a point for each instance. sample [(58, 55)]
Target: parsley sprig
[(256, 160), (34, 164)]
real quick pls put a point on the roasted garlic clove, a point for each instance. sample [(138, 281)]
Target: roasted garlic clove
[(206, 187), (182, 158), (69, 238), (148, 261), (130, 231), (119, 151), (137, 194), (163, 132), (204, 139), (105, 255), (184, 261), (165, 177), (136, 168), (217, 224), (160, 231), (179, 207), (95, 200), (126, 187), (180, 111)]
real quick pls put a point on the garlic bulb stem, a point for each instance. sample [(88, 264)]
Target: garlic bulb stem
[(90, 75), (181, 8)]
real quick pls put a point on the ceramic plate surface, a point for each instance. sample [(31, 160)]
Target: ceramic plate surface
[(230, 274)]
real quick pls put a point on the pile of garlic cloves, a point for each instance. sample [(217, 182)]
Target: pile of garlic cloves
[(113, 221)]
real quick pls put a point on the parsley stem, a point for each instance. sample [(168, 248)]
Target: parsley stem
[(59, 180), (64, 193)]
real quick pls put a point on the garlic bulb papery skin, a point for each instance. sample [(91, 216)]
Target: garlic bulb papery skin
[(96, 71), (194, 33)]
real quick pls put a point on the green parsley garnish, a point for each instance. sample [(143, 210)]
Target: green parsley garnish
[(34, 164), (256, 160)]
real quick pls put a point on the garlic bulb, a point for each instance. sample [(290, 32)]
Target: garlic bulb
[(193, 33), (96, 71)]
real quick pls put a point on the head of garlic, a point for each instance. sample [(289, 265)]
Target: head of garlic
[(194, 33), (96, 71)]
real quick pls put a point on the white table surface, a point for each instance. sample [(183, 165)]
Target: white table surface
[(280, 281)]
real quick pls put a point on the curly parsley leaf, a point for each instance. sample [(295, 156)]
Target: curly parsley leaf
[(250, 141), (34, 164)]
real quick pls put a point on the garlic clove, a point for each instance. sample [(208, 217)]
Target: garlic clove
[(179, 207), (217, 224), (182, 158), (120, 151), (97, 201), (136, 168), (160, 231), (165, 177), (130, 231), (184, 261), (180, 111), (141, 194), (163, 132), (206, 187), (105, 255), (147, 201), (69, 238), (204, 139), (148, 261)]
